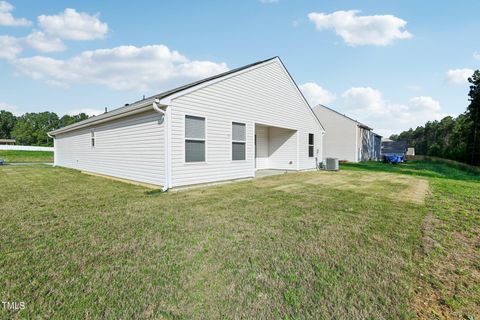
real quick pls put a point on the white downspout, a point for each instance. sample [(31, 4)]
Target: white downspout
[(166, 145), (321, 150)]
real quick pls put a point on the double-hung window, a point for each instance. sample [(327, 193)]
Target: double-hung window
[(92, 138), (239, 141), (311, 145), (194, 139)]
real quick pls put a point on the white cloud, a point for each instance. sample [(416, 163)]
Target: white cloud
[(269, 1), (9, 107), (315, 94), (69, 24), (88, 111), (476, 55), (367, 105), (424, 103), (41, 42), (10, 47), (13, 46), (459, 76), (73, 25), (7, 19), (120, 68), (364, 98), (380, 30)]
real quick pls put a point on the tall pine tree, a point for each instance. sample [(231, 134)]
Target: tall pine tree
[(473, 113), (452, 138)]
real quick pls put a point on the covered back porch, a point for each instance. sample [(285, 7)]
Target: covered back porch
[(275, 148)]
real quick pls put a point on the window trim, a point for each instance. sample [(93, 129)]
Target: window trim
[(244, 142), (185, 139), (311, 145)]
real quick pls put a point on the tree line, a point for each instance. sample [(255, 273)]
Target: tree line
[(31, 128), (452, 138)]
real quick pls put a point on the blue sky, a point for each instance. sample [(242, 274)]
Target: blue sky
[(391, 64)]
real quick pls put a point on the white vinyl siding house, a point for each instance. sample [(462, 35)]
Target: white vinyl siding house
[(129, 148), (345, 138), (222, 128)]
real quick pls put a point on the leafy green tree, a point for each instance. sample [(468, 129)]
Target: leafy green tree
[(460, 131), (68, 119), (435, 150), (7, 122), (452, 138), (473, 113), (32, 128)]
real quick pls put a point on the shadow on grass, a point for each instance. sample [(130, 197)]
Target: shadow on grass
[(426, 169), (154, 193)]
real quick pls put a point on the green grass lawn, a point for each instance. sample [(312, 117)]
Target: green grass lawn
[(15, 156), (345, 245), (448, 262)]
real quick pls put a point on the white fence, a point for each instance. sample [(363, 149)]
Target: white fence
[(25, 148)]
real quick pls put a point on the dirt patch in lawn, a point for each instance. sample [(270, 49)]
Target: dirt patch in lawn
[(403, 188), (416, 191), (443, 287), (430, 222), (449, 277)]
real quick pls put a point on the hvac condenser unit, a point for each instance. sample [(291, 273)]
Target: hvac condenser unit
[(332, 164)]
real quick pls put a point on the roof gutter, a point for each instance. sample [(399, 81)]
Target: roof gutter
[(360, 125), (166, 125)]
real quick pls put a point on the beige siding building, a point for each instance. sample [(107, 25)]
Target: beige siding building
[(346, 138)]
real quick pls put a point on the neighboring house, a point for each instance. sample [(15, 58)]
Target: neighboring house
[(346, 138), (410, 155), (377, 147), (221, 128), (390, 147), (7, 141)]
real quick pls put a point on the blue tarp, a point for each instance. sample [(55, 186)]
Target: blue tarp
[(393, 158)]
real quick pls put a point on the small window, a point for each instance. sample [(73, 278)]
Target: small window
[(239, 140), (311, 145), (92, 138), (194, 139)]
